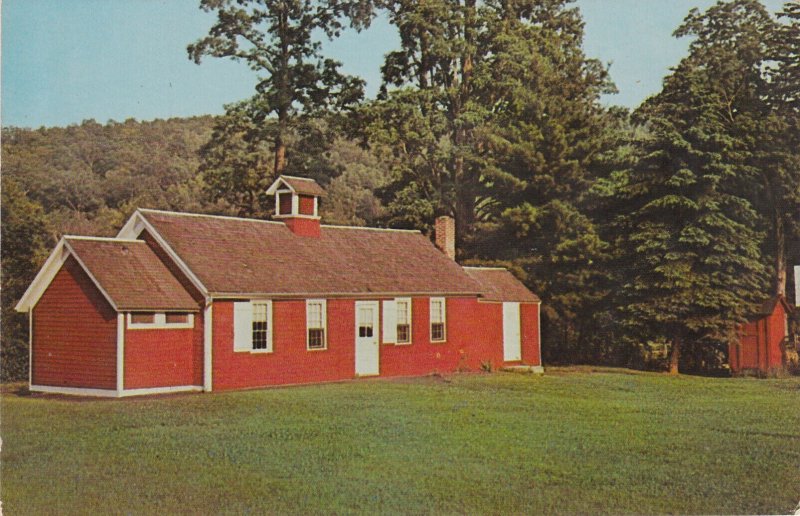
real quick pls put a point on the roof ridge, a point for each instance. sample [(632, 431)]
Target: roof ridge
[(230, 217), (485, 268), (298, 177), (340, 226), (102, 239), (207, 215)]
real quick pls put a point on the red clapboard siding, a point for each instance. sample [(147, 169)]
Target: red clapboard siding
[(759, 343), (290, 362), (306, 205), (529, 315), (474, 337), (74, 333), (164, 357)]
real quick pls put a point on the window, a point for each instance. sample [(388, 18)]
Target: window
[(438, 318), (260, 326), (252, 326), (365, 323), (315, 323), (403, 320), (177, 318), (160, 320), (143, 318)]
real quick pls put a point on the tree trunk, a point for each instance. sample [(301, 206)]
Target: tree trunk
[(280, 156), (779, 288), (675, 356)]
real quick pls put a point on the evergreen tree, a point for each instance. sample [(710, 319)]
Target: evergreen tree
[(496, 120), (691, 233)]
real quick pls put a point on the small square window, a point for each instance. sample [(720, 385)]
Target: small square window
[(177, 318), (316, 338), (143, 318)]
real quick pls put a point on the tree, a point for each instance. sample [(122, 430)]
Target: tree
[(25, 238), (495, 119), (275, 38), (691, 234), (781, 170)]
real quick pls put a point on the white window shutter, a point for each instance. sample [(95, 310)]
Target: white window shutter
[(242, 326), (389, 321)]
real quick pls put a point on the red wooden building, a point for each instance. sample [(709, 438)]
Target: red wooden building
[(181, 301), (761, 340)]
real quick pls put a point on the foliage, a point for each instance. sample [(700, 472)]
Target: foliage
[(495, 119), (26, 241), (569, 442), (276, 39), (689, 233)]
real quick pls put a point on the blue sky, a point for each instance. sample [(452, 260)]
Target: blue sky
[(64, 61)]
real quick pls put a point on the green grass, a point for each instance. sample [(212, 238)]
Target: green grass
[(572, 441)]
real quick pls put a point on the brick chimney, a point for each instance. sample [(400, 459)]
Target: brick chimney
[(297, 202), (445, 233)]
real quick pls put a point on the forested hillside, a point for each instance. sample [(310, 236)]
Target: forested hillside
[(650, 235), (87, 179)]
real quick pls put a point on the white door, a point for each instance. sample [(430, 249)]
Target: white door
[(512, 350), (367, 338)]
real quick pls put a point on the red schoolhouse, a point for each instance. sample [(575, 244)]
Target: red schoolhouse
[(181, 302)]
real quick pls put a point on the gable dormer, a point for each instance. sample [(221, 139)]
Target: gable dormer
[(297, 201)]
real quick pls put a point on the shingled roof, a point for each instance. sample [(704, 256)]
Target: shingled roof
[(498, 284), (303, 185), (234, 256), (130, 274)]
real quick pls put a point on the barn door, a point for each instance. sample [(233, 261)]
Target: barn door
[(512, 349), (367, 357)]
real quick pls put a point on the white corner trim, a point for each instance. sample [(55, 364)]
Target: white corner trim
[(161, 390), (30, 346), (539, 330), (138, 223), (295, 204), (43, 278), (77, 391), (120, 352), (207, 346)]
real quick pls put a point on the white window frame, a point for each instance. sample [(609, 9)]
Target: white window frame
[(268, 304), (397, 302), (324, 321), (250, 348), (160, 322), (444, 319)]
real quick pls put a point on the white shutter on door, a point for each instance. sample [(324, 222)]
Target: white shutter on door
[(242, 326), (389, 321)]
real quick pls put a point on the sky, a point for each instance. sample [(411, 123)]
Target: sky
[(65, 61)]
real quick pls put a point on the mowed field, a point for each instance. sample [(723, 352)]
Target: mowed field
[(571, 441)]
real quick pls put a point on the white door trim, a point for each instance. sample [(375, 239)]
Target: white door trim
[(367, 349)]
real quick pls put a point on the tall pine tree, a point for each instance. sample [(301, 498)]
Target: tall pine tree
[(691, 233)]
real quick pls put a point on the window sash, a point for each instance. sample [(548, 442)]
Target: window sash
[(438, 317), (316, 322), (261, 331), (403, 320)]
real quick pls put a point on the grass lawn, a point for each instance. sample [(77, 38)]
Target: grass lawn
[(572, 441)]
